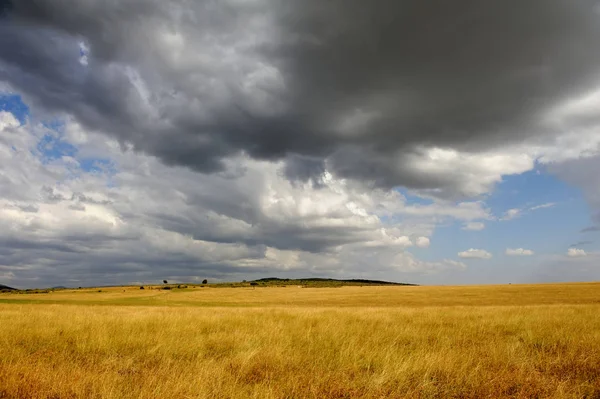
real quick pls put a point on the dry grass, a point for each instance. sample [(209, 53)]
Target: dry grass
[(384, 342)]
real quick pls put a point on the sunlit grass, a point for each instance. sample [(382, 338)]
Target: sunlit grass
[(371, 342)]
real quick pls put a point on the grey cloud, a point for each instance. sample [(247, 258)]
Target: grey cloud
[(583, 173), (82, 198), (304, 169), (29, 208), (44, 63), (103, 260), (77, 207), (357, 89), (286, 235), (580, 243), (5, 7), (153, 221), (590, 229), (12, 246), (357, 86), (49, 195)]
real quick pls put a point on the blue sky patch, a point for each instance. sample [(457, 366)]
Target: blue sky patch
[(14, 104)]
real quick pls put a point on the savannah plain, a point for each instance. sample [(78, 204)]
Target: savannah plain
[(519, 341)]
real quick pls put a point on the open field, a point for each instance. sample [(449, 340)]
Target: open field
[(520, 341)]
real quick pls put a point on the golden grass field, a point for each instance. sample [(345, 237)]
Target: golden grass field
[(521, 341)]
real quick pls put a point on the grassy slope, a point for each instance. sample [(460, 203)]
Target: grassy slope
[(468, 342), (294, 296)]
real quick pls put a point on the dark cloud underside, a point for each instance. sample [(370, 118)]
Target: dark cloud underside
[(360, 84)]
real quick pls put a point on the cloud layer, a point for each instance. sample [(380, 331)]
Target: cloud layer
[(224, 138), (473, 253), (518, 252), (104, 214), (386, 93), (575, 252)]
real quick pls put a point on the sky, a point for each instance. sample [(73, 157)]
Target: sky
[(447, 143)]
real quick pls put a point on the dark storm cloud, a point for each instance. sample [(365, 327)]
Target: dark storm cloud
[(304, 169), (280, 234), (360, 84), (14, 246), (52, 262)]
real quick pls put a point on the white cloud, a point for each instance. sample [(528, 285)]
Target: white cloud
[(515, 213), (473, 173), (575, 252), (422, 242), (518, 252), (511, 214), (467, 210), (475, 254), (542, 206), (8, 120), (203, 93), (150, 221), (474, 226)]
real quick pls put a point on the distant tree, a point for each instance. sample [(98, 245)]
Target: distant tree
[(243, 281), (253, 283), (165, 282), (141, 287), (205, 281)]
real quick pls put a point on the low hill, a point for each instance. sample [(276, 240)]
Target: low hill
[(6, 288), (323, 282)]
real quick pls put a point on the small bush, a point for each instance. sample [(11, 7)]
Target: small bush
[(205, 281), (253, 283), (141, 287), (166, 288)]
